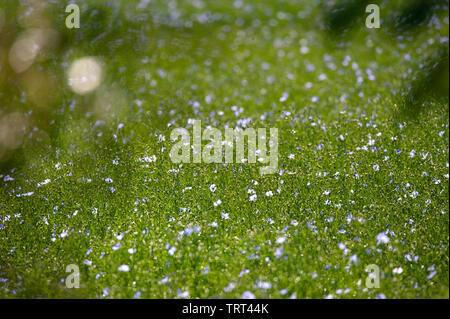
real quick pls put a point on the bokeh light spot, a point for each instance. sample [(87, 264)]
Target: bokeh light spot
[(22, 54), (85, 75)]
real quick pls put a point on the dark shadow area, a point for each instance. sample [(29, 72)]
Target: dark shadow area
[(409, 18), (413, 16), (342, 17), (429, 84)]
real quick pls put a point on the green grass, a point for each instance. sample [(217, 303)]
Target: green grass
[(155, 70)]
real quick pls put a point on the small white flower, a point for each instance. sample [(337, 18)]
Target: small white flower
[(263, 284), (183, 294), (284, 97), (279, 252), (43, 183), (354, 259), (376, 167), (431, 275), (230, 287), (124, 268), (171, 251), (137, 295), (148, 159), (382, 238), (244, 272), (212, 188), (120, 236), (248, 295), (397, 271)]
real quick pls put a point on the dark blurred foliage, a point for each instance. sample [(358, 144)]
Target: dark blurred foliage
[(431, 82), (410, 18), (413, 15), (342, 17), (103, 31)]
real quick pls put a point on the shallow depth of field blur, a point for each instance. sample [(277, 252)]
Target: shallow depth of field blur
[(86, 179)]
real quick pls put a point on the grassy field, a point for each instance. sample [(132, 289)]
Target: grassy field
[(358, 182)]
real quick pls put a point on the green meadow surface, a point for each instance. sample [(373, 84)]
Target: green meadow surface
[(357, 184)]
